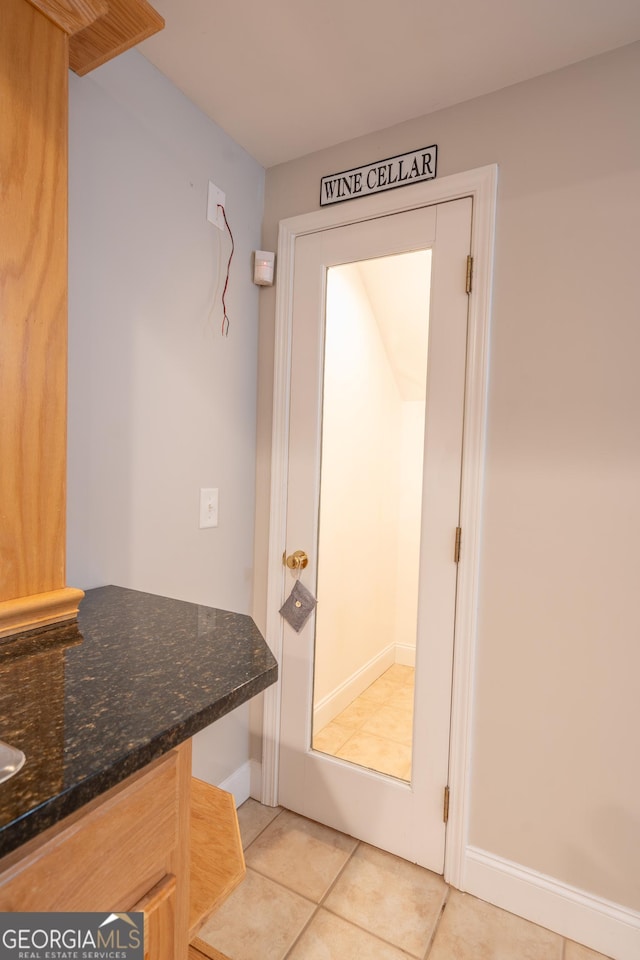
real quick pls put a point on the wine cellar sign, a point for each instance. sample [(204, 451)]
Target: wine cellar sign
[(382, 175)]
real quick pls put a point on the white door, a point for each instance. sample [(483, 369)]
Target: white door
[(402, 810)]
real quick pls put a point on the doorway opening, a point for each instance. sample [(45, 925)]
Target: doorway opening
[(280, 742)]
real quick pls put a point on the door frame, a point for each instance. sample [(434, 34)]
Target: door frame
[(481, 185)]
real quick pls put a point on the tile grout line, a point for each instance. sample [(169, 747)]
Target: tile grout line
[(370, 933), (320, 903), (301, 896), (436, 925), (282, 886), (340, 871), (357, 926), (301, 933), (376, 936), (297, 893), (259, 834)]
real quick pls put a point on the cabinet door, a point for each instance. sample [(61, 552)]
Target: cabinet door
[(159, 908), (107, 858)]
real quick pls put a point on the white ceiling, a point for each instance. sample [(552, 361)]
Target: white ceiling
[(288, 77)]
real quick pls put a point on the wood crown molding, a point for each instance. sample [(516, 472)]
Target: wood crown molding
[(71, 15), (39, 610), (100, 30), (126, 23)]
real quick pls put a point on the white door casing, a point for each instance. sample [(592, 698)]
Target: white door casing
[(480, 185)]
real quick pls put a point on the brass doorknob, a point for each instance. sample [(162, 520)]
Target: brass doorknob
[(297, 560)]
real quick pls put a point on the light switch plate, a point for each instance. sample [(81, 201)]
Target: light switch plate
[(216, 199), (208, 507)]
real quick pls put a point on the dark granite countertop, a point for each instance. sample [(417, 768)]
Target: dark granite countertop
[(92, 702)]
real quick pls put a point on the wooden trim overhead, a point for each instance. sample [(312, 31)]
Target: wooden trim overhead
[(99, 30), (126, 23), (71, 15)]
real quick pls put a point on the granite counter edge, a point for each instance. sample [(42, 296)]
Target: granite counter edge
[(52, 811)]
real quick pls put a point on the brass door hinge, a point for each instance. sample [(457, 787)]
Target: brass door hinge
[(445, 810), (456, 549), (469, 282)]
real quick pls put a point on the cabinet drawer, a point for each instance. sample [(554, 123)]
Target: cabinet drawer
[(106, 859)]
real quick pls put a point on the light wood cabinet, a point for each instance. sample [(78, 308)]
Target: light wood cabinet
[(33, 321), (147, 844), (111, 856), (159, 843), (217, 860), (159, 909), (38, 39)]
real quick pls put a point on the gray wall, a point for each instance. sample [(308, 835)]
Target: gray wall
[(160, 404), (557, 712)]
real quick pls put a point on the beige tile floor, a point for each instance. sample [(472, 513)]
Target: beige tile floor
[(312, 893), (375, 730)]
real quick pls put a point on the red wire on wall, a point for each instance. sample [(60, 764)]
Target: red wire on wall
[(225, 318)]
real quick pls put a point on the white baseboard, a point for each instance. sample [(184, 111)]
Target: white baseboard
[(405, 654), (256, 780), (239, 783), (340, 698), (599, 924)]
